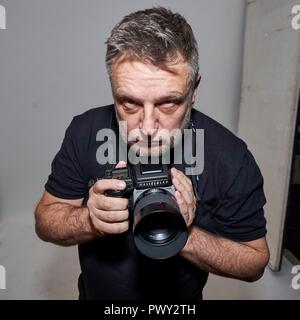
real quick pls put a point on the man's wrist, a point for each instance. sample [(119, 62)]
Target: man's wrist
[(90, 228), (189, 243)]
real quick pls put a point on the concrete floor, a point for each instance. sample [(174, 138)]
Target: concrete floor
[(272, 286)]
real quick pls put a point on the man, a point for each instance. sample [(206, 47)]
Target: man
[(152, 61)]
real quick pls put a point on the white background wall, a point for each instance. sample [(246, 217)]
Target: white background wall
[(52, 68)]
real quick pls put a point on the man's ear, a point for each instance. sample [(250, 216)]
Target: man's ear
[(196, 88)]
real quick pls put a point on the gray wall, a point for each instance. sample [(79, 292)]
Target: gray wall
[(52, 68), (271, 91)]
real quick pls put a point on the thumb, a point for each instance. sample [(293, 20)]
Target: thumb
[(121, 164)]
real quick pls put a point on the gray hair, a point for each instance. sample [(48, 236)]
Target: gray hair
[(154, 35)]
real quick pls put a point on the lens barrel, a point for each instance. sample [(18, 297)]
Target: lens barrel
[(160, 231)]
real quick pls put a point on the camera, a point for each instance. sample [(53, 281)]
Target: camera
[(159, 229)]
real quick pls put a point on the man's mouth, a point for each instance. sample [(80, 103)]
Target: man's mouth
[(150, 143)]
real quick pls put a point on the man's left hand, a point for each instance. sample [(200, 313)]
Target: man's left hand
[(184, 195)]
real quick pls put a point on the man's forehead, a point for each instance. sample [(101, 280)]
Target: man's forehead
[(129, 64), (135, 77), (121, 92)]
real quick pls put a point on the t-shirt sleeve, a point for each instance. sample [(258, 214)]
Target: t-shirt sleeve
[(67, 178), (240, 215)]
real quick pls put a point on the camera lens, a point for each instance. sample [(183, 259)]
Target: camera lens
[(160, 231)]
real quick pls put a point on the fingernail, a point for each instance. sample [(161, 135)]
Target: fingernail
[(121, 184)]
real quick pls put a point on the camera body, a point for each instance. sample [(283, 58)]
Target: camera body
[(140, 178), (159, 229)]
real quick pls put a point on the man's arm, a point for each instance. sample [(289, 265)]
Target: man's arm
[(212, 253), (241, 260), (66, 222), (63, 222)]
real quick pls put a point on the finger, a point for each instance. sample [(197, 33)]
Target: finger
[(185, 190), (121, 164), (112, 216), (182, 205), (186, 194), (182, 177), (181, 202), (187, 211), (108, 184), (110, 228), (102, 202)]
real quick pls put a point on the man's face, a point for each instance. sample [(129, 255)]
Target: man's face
[(150, 98)]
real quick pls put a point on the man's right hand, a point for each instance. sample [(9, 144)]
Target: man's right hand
[(108, 215)]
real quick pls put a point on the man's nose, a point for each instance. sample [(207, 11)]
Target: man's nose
[(149, 121)]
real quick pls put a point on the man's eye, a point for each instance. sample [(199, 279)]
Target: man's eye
[(168, 104), (129, 104)]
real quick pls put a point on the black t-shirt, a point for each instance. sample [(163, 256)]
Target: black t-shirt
[(231, 195)]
